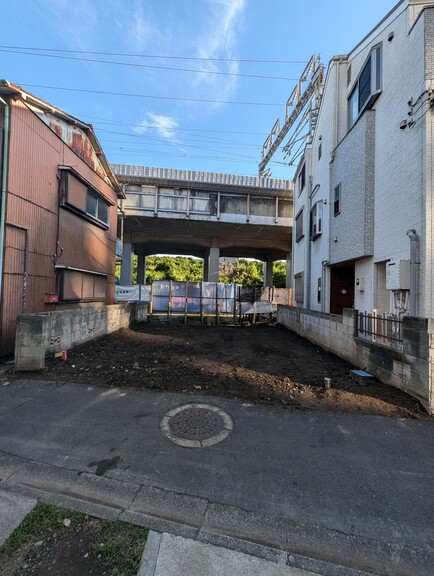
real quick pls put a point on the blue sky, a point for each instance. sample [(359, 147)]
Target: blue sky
[(214, 118)]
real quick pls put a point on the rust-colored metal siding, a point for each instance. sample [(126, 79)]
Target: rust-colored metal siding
[(84, 245), (15, 280), (32, 213)]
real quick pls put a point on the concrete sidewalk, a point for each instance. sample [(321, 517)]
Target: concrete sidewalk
[(336, 494), (168, 555), (13, 509), (165, 554)]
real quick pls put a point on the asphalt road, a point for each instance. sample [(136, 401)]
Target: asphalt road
[(356, 490)]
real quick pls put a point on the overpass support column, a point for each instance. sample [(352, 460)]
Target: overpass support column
[(213, 265), (288, 282), (268, 273), (141, 269), (205, 267), (127, 264)]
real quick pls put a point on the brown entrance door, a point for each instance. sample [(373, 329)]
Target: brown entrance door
[(341, 289)]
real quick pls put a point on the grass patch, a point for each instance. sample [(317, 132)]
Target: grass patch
[(43, 521), (49, 531), (123, 546)]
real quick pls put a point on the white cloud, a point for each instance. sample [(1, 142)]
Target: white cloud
[(164, 125), (139, 31), (219, 41), (140, 28)]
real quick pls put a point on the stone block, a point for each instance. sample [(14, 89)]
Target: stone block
[(104, 491), (23, 363), (412, 323), (170, 505), (361, 377), (44, 477), (9, 464)]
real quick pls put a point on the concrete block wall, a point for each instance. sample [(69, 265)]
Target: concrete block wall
[(50, 332), (410, 370)]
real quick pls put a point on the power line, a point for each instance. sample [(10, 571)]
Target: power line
[(96, 120), (163, 57), (152, 97), (184, 145), (203, 139), (228, 155), (153, 66), (179, 143), (161, 141), (141, 152), (174, 141)]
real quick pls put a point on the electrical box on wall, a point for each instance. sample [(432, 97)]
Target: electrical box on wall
[(360, 284), (50, 298), (398, 275)]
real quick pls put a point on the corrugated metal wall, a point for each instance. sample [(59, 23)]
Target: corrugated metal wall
[(32, 214), (14, 282), (85, 245)]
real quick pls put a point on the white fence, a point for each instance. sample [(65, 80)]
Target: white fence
[(205, 298), (133, 293)]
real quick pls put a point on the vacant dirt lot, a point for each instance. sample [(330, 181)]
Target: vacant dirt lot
[(262, 364)]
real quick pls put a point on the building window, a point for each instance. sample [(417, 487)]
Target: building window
[(299, 229), (97, 207), (299, 287), (349, 75), (76, 285), (337, 200), (353, 105), (302, 178), (367, 86), (320, 151), (318, 291), (316, 220), (79, 196)]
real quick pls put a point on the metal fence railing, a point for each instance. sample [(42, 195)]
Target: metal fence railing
[(385, 329)]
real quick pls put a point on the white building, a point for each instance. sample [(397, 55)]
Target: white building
[(363, 200)]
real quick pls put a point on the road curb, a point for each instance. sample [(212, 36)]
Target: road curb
[(243, 538)]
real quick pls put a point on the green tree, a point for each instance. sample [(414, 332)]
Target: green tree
[(183, 269), (173, 268), (244, 272), (279, 273)]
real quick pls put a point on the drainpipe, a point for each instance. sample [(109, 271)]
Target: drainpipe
[(414, 245), (4, 188), (323, 283)]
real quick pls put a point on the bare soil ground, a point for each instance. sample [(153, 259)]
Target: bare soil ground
[(258, 364)]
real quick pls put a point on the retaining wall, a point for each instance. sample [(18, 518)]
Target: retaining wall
[(411, 370), (49, 332)]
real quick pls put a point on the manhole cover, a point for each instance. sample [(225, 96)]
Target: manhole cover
[(196, 425)]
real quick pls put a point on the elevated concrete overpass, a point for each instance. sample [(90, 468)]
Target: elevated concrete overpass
[(203, 214)]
